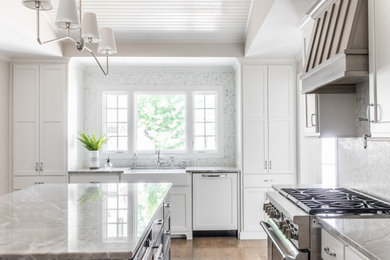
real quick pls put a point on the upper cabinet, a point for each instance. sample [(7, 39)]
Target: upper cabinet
[(379, 108), (268, 119), (39, 120)]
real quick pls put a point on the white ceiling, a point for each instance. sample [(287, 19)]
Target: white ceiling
[(170, 20), (279, 36)]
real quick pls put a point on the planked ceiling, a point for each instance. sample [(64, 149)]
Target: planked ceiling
[(170, 20)]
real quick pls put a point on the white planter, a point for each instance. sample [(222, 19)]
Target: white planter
[(94, 159)]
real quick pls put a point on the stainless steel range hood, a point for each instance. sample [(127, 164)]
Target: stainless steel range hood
[(337, 58)]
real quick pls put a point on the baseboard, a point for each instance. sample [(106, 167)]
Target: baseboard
[(252, 235), (215, 233)]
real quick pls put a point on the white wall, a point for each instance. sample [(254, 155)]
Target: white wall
[(75, 114), (4, 126)]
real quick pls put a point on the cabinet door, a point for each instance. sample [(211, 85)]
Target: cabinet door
[(255, 114), (379, 21), (352, 254), (181, 210), (311, 114), (281, 105), (215, 201), (25, 106), (254, 199), (52, 110)]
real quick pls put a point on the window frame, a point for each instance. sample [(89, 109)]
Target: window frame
[(104, 121), (188, 90)]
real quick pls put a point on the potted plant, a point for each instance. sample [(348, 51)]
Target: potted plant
[(93, 145)]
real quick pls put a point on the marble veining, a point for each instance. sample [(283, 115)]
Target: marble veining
[(370, 236), (128, 78), (77, 221)]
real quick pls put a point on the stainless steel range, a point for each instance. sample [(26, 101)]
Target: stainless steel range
[(292, 229)]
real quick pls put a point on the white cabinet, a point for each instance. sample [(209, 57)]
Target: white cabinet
[(379, 41), (181, 211), (269, 119), (94, 178), (254, 199), (352, 254), (334, 249), (215, 201), (39, 118)]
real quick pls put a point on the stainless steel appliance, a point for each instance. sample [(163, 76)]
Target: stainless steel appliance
[(292, 228)]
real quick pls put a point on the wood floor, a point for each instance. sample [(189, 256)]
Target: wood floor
[(215, 248)]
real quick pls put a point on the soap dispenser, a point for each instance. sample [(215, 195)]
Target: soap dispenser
[(108, 164)]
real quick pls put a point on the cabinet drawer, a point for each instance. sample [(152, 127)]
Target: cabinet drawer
[(25, 182), (352, 254), (94, 178), (268, 180), (331, 248)]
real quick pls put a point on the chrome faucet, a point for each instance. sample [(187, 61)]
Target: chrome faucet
[(159, 162), (134, 163)]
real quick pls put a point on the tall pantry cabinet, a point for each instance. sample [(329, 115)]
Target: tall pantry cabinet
[(38, 124), (269, 137)]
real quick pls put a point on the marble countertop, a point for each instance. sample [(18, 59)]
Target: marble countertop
[(369, 236), (78, 221), (151, 170), (99, 171), (212, 169)]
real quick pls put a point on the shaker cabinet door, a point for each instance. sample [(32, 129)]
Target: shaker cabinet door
[(25, 107)]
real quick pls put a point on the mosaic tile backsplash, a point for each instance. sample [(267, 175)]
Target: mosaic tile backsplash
[(368, 169), (127, 78)]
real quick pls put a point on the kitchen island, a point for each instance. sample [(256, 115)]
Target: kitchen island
[(86, 221)]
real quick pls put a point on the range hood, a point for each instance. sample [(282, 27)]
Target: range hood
[(337, 58)]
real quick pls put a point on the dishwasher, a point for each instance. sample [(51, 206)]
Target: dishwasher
[(215, 203)]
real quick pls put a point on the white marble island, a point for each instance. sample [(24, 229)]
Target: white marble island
[(82, 221)]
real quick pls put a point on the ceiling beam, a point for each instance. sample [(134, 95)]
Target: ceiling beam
[(259, 11)]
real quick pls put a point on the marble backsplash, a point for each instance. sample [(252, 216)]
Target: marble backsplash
[(368, 169), (126, 78)]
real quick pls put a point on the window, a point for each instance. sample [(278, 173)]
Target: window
[(329, 161), (115, 120), (205, 121), (160, 121)]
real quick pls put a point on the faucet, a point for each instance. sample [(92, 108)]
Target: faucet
[(159, 162), (134, 163)]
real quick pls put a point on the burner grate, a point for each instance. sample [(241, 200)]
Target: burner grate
[(339, 200)]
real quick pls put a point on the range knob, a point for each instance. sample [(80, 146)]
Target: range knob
[(289, 233), (265, 206), (268, 210), (284, 228), (272, 213), (277, 214)]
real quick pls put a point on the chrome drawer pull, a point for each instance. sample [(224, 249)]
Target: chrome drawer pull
[(159, 222), (327, 250), (41, 167), (37, 167), (214, 175), (268, 180), (167, 205), (39, 182), (167, 232), (94, 182)]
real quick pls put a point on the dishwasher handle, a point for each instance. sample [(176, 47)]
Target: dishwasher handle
[(214, 175)]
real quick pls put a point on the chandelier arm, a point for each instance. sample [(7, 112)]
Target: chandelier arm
[(105, 72), (53, 40)]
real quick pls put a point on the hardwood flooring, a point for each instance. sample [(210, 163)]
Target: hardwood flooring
[(218, 248)]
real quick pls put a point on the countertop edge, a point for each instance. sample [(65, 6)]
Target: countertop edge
[(348, 241)]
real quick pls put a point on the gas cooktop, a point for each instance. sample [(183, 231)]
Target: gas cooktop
[(335, 201)]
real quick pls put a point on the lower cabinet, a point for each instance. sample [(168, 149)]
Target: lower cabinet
[(181, 211), (94, 178), (215, 201), (334, 249), (255, 187), (254, 199), (28, 181)]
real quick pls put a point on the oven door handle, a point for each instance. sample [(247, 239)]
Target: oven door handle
[(292, 255)]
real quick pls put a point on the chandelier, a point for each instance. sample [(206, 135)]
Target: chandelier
[(68, 19)]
